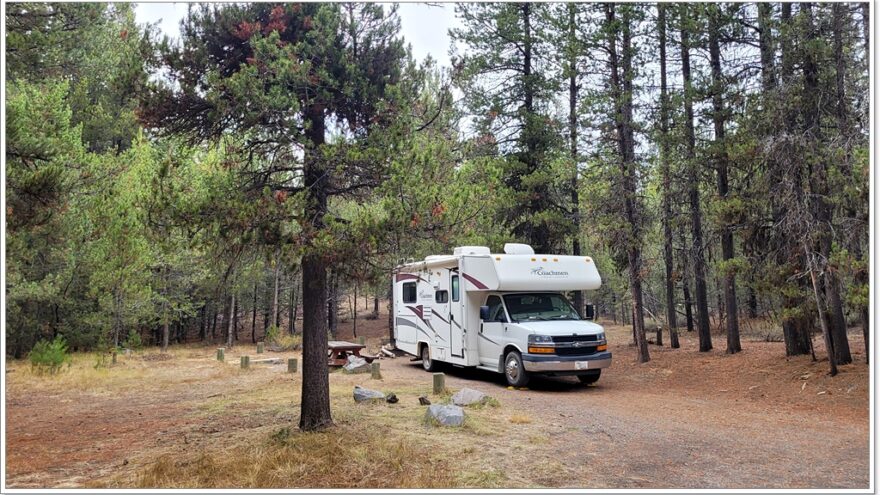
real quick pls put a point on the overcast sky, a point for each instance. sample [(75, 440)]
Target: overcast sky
[(425, 27)]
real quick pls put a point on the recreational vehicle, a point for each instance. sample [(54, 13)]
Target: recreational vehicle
[(506, 313)]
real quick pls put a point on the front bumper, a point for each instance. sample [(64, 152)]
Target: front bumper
[(536, 363)]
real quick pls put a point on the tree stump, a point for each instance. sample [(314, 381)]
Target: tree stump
[(439, 383), (291, 365), (245, 362), (660, 336), (375, 374), (259, 347), (221, 354)]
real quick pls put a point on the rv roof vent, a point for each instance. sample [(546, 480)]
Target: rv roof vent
[(471, 250), (511, 248)]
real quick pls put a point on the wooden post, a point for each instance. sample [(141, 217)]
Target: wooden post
[(375, 374), (362, 340), (245, 362), (259, 347), (660, 336), (291, 365), (439, 383), (114, 357), (221, 354)]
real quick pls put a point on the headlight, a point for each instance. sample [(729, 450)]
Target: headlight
[(540, 339), (600, 337)]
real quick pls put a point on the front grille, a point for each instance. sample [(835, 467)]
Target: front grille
[(575, 351), (560, 339)]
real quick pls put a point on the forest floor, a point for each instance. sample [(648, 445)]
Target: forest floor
[(685, 419)]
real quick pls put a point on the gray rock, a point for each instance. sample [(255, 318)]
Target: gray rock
[(469, 396), (444, 415), (356, 365), (364, 394)]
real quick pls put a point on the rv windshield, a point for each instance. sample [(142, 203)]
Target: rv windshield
[(539, 307)]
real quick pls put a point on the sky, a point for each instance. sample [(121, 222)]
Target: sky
[(424, 26)]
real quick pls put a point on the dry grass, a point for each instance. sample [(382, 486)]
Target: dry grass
[(520, 419), (340, 457)]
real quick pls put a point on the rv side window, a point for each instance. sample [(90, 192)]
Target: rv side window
[(409, 292), (496, 309), (454, 285), (441, 297)]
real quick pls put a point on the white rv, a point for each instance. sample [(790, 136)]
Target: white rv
[(501, 312)]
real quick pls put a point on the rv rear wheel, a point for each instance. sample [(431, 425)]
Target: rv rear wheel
[(590, 378), (514, 371), (428, 363)]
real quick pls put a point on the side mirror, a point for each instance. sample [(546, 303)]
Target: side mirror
[(484, 313), (590, 312)]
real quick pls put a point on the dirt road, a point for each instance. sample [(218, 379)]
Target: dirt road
[(686, 419)]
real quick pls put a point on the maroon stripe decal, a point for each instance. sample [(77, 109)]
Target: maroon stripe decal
[(474, 281), (417, 310), (406, 276), (444, 320)]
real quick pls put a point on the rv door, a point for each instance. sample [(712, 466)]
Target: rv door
[(456, 315)]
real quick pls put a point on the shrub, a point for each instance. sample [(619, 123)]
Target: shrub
[(133, 341), (49, 356), (277, 338)]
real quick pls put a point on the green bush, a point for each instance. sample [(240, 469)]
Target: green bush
[(133, 341), (50, 356)]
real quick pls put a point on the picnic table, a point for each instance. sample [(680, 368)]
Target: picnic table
[(338, 352)]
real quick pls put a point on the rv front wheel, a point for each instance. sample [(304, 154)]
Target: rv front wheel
[(427, 362), (516, 374)]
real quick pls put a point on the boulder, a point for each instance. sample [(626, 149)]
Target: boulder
[(356, 364), (364, 394), (444, 415), (469, 396)]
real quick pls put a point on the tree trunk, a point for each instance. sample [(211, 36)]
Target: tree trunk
[(721, 168), (291, 311), (375, 308), (203, 322), (213, 323), (254, 316), (275, 290), (315, 403), (391, 309), (230, 327), (797, 329), (694, 189), (166, 330), (667, 184), (622, 92), (819, 189), (333, 304), (354, 315), (573, 142), (826, 331)]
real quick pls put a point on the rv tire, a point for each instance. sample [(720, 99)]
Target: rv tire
[(590, 378), (514, 371), (427, 363)]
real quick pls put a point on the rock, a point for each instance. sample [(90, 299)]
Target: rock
[(444, 415), (469, 396), (356, 364), (423, 400), (364, 394), (391, 399)]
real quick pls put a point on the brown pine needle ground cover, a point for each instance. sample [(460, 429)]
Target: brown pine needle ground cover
[(685, 419)]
